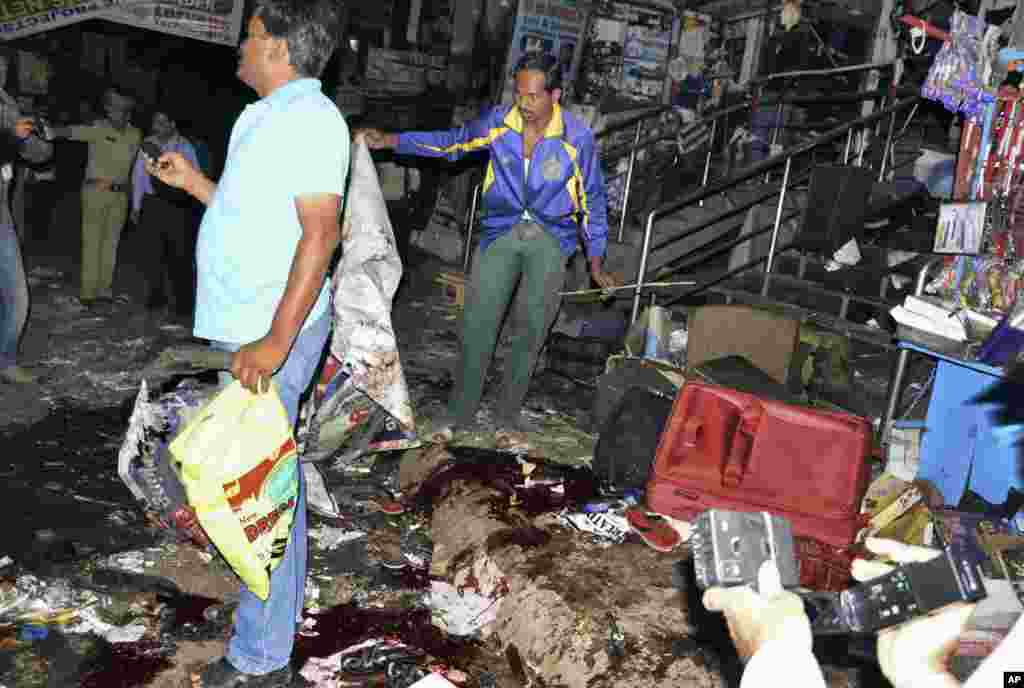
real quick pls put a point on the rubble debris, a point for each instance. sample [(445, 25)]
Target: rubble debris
[(349, 645)]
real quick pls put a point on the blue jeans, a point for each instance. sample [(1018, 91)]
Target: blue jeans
[(13, 296), (264, 632)]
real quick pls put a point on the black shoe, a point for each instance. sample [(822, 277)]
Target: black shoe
[(223, 674)]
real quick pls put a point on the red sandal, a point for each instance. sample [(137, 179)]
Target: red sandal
[(653, 529)]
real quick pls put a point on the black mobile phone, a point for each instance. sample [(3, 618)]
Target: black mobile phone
[(41, 128), (151, 151)]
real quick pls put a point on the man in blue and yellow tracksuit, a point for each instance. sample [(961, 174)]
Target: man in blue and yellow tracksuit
[(543, 191)]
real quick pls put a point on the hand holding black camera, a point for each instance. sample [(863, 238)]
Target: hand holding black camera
[(918, 607), (921, 647), (37, 126)]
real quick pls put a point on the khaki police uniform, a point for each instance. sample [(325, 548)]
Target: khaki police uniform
[(104, 201)]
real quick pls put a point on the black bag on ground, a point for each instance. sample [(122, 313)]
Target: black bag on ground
[(611, 386), (629, 438), (580, 358)]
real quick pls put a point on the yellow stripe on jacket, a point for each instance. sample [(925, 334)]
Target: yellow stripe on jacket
[(576, 188), (469, 146)]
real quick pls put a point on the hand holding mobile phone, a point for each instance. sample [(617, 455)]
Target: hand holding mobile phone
[(151, 151)]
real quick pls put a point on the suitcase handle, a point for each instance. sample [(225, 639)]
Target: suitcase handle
[(742, 444), (691, 431)]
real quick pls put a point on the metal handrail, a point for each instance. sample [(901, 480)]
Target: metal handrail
[(800, 74), (723, 215), (642, 143), (639, 143), (626, 123), (774, 161), (840, 98), (713, 249), (785, 158)]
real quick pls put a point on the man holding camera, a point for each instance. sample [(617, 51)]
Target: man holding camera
[(19, 141)]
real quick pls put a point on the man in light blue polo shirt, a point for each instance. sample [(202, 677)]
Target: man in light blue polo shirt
[(265, 243)]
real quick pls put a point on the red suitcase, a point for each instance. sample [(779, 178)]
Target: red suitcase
[(730, 450)]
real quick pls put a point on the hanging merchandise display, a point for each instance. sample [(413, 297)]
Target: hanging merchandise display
[(983, 225), (960, 228), (954, 79), (627, 54)]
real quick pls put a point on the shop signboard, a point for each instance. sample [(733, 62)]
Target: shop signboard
[(552, 26), (405, 72), (20, 18), (213, 21)]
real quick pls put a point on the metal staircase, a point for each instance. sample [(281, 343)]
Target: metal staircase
[(662, 231), (689, 238)]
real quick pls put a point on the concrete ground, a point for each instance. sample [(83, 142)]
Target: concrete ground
[(61, 439)]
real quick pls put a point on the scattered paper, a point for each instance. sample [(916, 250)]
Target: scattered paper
[(460, 613), (609, 528), (89, 622), (328, 538), (133, 562)]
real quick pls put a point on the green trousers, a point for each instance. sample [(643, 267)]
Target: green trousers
[(527, 256), (103, 216)]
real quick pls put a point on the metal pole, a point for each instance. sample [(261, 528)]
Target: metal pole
[(894, 393), (469, 228), (849, 141), (775, 137), (775, 127), (629, 179), (913, 111), (901, 361), (707, 158), (775, 230), (862, 144), (641, 273), (888, 145)]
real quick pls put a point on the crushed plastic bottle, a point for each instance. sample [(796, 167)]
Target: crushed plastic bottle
[(616, 638)]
